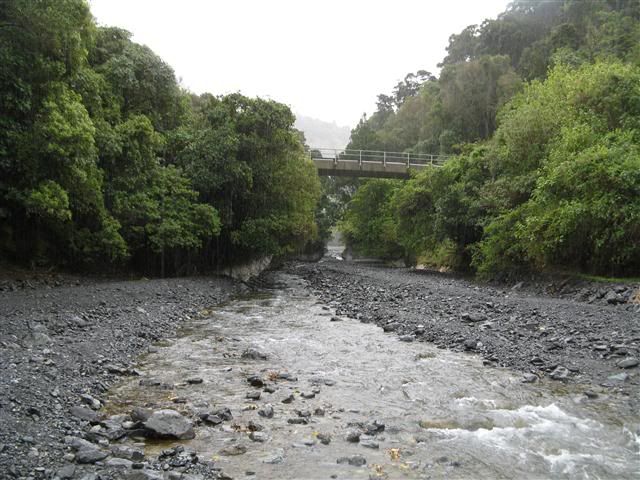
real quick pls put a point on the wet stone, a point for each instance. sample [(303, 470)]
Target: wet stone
[(211, 419), (298, 421), (195, 381), (223, 412), (255, 381), (352, 436), (260, 437), (169, 424), (559, 373), (233, 450), (354, 460), (628, 362), (253, 354), (369, 442), (266, 411), (253, 395)]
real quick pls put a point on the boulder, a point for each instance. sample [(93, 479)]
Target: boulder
[(169, 424)]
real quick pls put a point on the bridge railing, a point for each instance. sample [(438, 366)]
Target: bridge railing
[(377, 156)]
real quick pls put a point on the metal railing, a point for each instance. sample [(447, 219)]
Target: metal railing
[(375, 156)]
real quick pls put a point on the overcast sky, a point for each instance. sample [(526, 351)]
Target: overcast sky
[(327, 59)]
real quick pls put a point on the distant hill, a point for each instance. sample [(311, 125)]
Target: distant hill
[(323, 134)]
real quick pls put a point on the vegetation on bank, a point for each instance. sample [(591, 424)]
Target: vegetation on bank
[(541, 110), (106, 161)]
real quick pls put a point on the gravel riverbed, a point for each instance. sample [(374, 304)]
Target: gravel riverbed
[(582, 339), (62, 347)]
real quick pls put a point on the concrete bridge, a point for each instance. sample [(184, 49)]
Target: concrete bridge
[(371, 163)]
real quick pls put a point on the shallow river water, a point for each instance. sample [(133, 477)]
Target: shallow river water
[(445, 414)]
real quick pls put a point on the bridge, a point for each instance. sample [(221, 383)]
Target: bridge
[(371, 163)]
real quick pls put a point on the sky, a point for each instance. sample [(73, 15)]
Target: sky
[(327, 59)]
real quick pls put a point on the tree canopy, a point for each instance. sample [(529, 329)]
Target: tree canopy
[(105, 161)]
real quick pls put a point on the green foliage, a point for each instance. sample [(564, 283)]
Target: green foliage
[(105, 159), (369, 224)]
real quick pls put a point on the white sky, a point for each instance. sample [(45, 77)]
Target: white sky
[(327, 59)]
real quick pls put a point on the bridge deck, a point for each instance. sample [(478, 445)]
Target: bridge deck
[(369, 163)]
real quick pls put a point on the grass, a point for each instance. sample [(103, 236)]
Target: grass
[(600, 279)]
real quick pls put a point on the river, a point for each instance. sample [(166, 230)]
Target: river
[(444, 413)]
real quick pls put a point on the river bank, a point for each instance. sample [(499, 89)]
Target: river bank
[(64, 342), (593, 344)]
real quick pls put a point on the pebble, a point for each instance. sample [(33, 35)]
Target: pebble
[(355, 460), (628, 362), (266, 411)]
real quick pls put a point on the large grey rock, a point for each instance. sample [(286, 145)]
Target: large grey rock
[(91, 455), (628, 362), (169, 424)]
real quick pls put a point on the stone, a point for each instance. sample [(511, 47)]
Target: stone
[(352, 436), (129, 453), (84, 413), (472, 317), (77, 443), (374, 427), (233, 450), (144, 475), (308, 395), (355, 460), (253, 395), (90, 455), (169, 424), (559, 373), (289, 399), (211, 419), (298, 421), (628, 362), (66, 472), (406, 338), (139, 414), (620, 377), (260, 437), (223, 412), (470, 344), (612, 298), (324, 438), (529, 378), (119, 463), (274, 458), (195, 381), (94, 403), (266, 411), (255, 381), (253, 354), (369, 442)]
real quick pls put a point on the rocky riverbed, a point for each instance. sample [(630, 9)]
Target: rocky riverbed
[(158, 380), (588, 336), (63, 343)]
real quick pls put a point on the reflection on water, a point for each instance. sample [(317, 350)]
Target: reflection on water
[(445, 415)]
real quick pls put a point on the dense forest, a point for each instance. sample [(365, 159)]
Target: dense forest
[(106, 162), (540, 112)]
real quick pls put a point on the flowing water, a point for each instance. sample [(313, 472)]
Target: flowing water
[(445, 414)]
